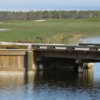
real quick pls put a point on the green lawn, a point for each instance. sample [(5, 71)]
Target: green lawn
[(54, 30)]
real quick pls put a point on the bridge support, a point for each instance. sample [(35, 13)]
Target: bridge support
[(80, 68), (40, 66), (34, 65), (30, 61), (90, 66), (79, 65)]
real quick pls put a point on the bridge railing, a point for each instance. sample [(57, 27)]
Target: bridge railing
[(65, 47), (89, 44)]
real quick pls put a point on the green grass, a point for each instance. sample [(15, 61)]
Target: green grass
[(13, 47), (49, 30)]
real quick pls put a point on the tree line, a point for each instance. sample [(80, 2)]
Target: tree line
[(56, 14)]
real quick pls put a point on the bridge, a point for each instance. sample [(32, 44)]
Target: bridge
[(77, 56), (85, 52), (49, 56)]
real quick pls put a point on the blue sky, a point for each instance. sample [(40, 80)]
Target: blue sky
[(50, 4)]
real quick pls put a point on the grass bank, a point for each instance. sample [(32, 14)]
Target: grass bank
[(49, 31)]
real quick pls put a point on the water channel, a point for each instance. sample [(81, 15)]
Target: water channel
[(52, 85)]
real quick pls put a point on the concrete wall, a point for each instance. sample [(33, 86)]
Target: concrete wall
[(14, 60), (12, 63)]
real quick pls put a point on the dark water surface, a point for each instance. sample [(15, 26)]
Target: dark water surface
[(51, 85)]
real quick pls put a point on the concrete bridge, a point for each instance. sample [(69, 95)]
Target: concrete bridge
[(49, 56), (82, 51)]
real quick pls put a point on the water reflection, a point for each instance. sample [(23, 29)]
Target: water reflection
[(65, 79), (14, 86), (48, 85)]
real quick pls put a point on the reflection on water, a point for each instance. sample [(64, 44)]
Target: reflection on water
[(48, 85)]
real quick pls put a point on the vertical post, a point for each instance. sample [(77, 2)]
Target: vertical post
[(30, 15), (20, 15), (40, 14), (90, 15), (29, 60), (91, 73), (34, 67), (49, 15), (24, 16), (59, 14)]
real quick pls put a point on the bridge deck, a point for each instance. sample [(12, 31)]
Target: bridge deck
[(89, 53)]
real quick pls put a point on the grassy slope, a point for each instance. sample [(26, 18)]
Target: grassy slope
[(49, 29)]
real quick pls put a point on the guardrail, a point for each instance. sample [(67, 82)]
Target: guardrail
[(65, 47), (89, 44), (39, 46)]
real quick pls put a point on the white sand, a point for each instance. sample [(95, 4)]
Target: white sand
[(4, 29), (39, 20)]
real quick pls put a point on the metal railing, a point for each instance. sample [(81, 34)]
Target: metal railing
[(65, 47)]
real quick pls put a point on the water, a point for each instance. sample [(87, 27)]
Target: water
[(93, 39), (51, 85)]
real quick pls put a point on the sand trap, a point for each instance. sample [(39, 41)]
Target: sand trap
[(4, 29), (39, 20)]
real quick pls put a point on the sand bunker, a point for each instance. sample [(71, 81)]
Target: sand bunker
[(39, 20), (4, 29)]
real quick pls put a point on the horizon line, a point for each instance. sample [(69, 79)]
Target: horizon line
[(22, 10)]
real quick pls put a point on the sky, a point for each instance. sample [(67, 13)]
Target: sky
[(49, 4)]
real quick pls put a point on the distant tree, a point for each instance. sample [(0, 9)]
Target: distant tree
[(56, 14)]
